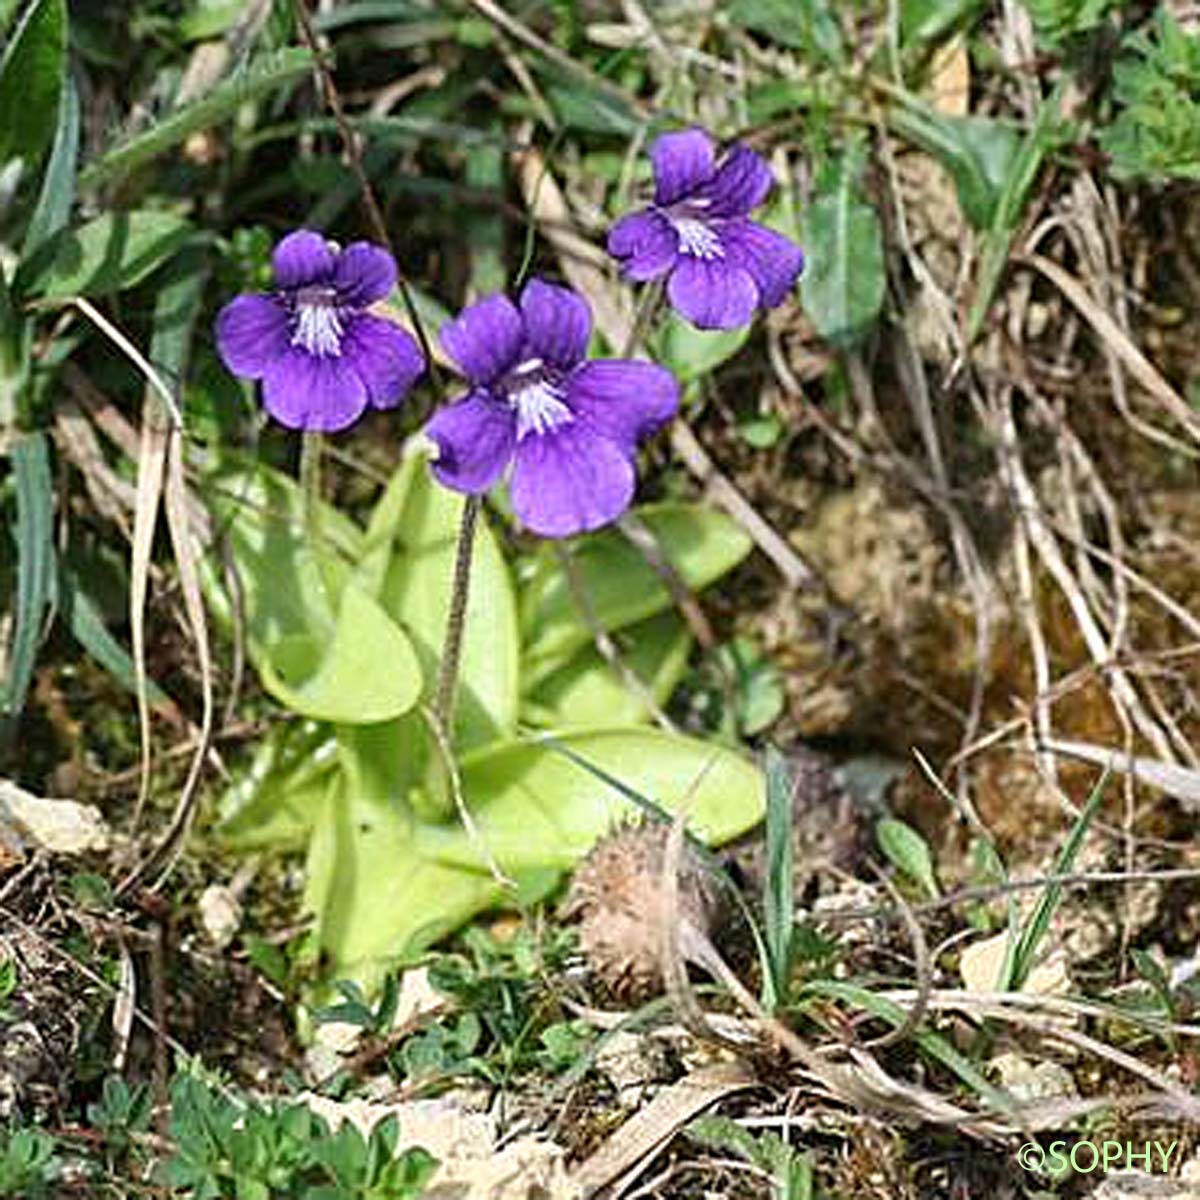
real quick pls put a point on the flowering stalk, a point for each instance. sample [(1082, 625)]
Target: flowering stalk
[(456, 619), (567, 427), (312, 446)]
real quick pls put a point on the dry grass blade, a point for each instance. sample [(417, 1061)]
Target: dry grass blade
[(124, 1006), (151, 472), (1136, 363), (924, 967), (1182, 1102), (679, 939), (1182, 783), (648, 1130), (1125, 698), (183, 542), (453, 778)]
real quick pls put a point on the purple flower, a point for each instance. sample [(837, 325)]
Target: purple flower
[(321, 357), (722, 265), (570, 428)]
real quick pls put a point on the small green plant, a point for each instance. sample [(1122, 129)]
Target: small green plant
[(8, 983), (1155, 136), (121, 1112), (366, 784), (230, 1148), (28, 1164), (356, 1009), (790, 1171), (1057, 22), (501, 1023)]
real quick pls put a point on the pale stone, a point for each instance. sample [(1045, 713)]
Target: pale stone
[(59, 826)]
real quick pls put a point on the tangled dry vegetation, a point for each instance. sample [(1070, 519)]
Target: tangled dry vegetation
[(977, 533)]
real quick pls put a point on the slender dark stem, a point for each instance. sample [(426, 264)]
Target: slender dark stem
[(649, 303), (370, 203), (456, 619)]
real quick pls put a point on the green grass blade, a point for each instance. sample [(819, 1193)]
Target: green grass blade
[(35, 566), (930, 1042), (779, 881), (1044, 136), (88, 628), (262, 77), (1023, 951), (58, 185)]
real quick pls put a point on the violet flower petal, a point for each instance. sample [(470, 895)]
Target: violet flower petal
[(713, 293), (385, 357), (682, 163), (741, 183), (475, 440), (310, 392), (624, 400), (485, 339), (773, 260), (363, 274), (301, 258), (646, 243), (570, 480), (252, 331), (558, 323)]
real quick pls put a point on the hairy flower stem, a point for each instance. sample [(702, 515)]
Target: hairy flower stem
[(456, 619), (312, 446)]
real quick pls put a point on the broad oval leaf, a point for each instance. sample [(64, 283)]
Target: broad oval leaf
[(537, 808), (909, 851), (843, 284), (289, 585), (588, 691), (690, 352), (375, 897), (108, 254), (31, 79), (416, 592), (927, 21), (622, 587), (367, 672), (979, 153), (808, 25)]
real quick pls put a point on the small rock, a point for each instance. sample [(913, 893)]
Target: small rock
[(981, 961), (220, 914), (1030, 1081), (59, 826), (634, 1064)]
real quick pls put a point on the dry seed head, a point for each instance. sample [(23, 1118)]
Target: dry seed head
[(617, 896)]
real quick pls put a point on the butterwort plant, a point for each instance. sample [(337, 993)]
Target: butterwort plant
[(322, 357), (720, 266), (568, 427)]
